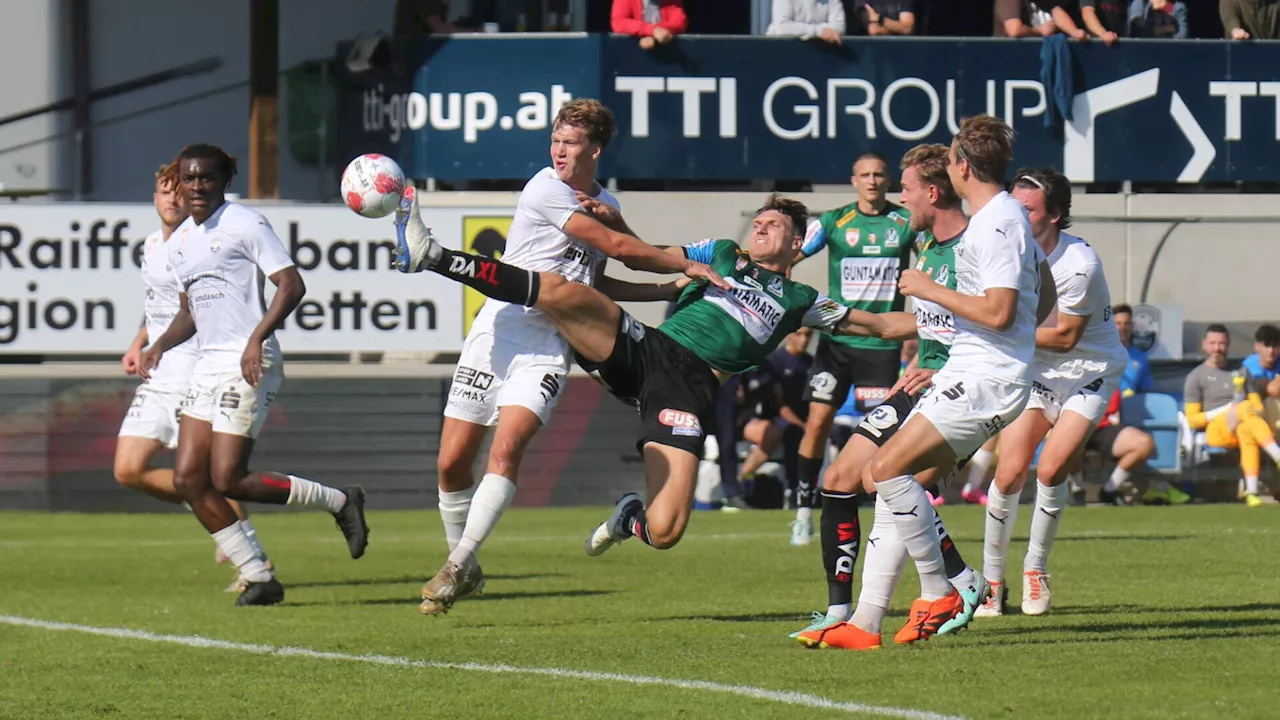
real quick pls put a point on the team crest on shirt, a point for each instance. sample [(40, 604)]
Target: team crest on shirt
[(872, 247), (891, 238), (944, 274), (775, 286), (740, 263), (215, 246), (852, 236)]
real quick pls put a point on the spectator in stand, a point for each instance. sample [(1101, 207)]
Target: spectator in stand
[(655, 22), (1041, 18), (886, 17), (1250, 19), (1105, 19), (808, 19), (1264, 366), (1158, 19)]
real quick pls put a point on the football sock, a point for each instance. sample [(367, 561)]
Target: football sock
[(493, 278), (978, 466), (492, 498), (1119, 476), (1273, 451), (885, 558), (236, 546), (808, 470), (913, 516), (951, 560), (312, 494), (252, 535), (1251, 485), (1002, 513), (1050, 502), (841, 537), (454, 507)]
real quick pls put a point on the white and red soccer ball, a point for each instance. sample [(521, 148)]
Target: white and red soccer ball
[(371, 185)]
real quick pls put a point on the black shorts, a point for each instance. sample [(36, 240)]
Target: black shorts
[(884, 420), (836, 367), (1103, 439), (674, 389)]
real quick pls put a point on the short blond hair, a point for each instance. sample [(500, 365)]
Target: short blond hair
[(986, 143), (930, 161), (592, 116)]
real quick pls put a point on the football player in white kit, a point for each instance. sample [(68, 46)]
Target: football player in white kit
[(1078, 363), (986, 380), (513, 362), (216, 255), (151, 423)]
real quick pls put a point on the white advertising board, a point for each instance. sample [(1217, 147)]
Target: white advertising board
[(70, 279)]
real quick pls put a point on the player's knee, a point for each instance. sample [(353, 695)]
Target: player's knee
[(453, 467), (840, 479), (186, 482), (226, 479), (552, 289), (129, 473)]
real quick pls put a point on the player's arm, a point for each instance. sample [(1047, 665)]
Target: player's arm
[(132, 357), (634, 252), (1048, 294), (1193, 403), (886, 326), (290, 290), (623, 291), (995, 309), (815, 238), (1075, 308)]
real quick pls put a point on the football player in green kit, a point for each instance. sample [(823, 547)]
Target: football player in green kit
[(869, 243), (744, 309)]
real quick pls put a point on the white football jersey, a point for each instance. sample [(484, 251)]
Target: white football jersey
[(160, 305), (1082, 290), (217, 263), (537, 241), (998, 251)]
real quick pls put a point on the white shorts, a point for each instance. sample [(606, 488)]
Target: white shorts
[(491, 375), (231, 405), (969, 409), (154, 414), (1087, 396)]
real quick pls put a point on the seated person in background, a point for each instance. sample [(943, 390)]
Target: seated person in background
[(1137, 375), (1264, 366), (655, 22), (1130, 447), (886, 17), (1227, 407), (775, 395), (808, 19)]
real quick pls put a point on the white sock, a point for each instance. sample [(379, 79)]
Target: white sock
[(1251, 486), (1002, 513), (1119, 477), (1050, 502), (1273, 450), (978, 466), (236, 546), (842, 611), (913, 516), (804, 513), (884, 557), (492, 497), (252, 534), (309, 493), (454, 507), (965, 580), (1075, 481)]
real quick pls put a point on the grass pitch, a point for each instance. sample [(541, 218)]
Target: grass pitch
[(1158, 613)]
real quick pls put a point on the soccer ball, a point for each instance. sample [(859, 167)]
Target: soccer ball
[(371, 185)]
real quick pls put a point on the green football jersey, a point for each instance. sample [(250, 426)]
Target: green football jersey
[(865, 254), (734, 330), (936, 325)]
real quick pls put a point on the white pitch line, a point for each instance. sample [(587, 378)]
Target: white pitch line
[(779, 696)]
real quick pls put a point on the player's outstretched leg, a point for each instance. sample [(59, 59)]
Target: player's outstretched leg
[(670, 475), (1018, 443)]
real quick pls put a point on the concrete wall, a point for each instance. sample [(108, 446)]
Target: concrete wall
[(32, 51)]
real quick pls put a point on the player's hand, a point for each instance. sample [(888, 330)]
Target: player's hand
[(131, 360), (251, 363), (699, 271), (662, 35), (913, 381), (148, 362), (915, 283), (602, 211), (830, 35)]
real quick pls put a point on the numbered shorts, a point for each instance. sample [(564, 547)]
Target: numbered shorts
[(154, 414), (229, 403), (969, 409), (838, 367), (884, 420), (492, 374), (1086, 396), (674, 389)]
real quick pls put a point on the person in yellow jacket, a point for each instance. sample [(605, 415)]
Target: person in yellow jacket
[(1225, 404)]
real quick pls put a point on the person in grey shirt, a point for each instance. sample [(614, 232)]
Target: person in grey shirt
[(1225, 405), (806, 19)]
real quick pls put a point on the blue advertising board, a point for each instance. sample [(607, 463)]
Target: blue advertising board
[(720, 108)]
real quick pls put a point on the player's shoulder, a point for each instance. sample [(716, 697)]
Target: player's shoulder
[(840, 215), (153, 239), (235, 217), (545, 182)]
